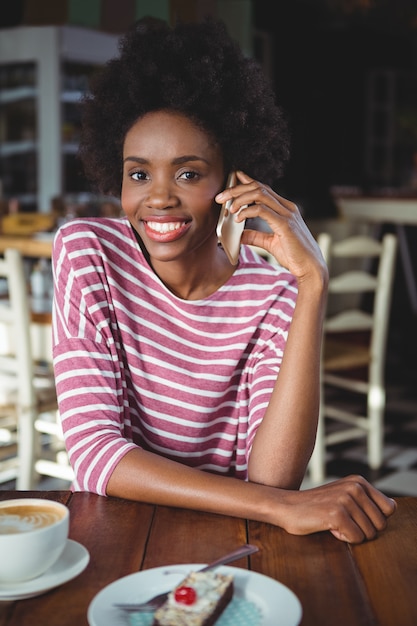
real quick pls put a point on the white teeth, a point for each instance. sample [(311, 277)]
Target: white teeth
[(164, 227)]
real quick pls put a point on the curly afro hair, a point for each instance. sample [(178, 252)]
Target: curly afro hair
[(195, 69)]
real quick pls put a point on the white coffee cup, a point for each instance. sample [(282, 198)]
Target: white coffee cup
[(33, 535)]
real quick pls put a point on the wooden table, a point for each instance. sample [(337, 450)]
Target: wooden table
[(28, 246), (370, 584)]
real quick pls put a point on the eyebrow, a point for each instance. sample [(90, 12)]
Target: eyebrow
[(186, 158)]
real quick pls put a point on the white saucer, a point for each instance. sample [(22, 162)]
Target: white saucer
[(72, 562)]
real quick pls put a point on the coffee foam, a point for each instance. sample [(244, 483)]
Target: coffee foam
[(21, 519)]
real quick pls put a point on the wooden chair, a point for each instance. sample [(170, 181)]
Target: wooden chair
[(29, 427), (354, 345)]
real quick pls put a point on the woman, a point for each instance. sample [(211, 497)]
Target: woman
[(184, 380)]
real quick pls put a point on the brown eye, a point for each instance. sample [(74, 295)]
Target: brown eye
[(138, 176)]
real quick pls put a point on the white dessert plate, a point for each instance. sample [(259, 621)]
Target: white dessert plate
[(72, 562), (276, 603)]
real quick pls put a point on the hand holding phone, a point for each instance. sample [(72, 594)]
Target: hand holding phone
[(229, 232)]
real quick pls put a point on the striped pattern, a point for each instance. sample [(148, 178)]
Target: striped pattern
[(137, 366)]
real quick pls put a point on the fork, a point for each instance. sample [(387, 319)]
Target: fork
[(153, 603)]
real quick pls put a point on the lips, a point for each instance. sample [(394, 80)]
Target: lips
[(165, 230)]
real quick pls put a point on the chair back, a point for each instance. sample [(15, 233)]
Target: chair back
[(15, 320), (371, 272), (16, 363), (28, 402), (355, 332)]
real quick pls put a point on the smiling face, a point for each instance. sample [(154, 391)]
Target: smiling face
[(172, 171)]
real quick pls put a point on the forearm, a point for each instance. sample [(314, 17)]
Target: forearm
[(285, 438), (148, 477)]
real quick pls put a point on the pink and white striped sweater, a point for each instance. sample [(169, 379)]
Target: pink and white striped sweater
[(137, 366)]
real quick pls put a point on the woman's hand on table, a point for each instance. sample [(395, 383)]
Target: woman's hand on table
[(350, 508)]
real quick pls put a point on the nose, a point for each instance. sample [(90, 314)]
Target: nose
[(161, 194)]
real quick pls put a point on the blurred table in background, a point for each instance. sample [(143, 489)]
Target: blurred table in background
[(383, 209), (36, 246), (31, 233), (386, 209)]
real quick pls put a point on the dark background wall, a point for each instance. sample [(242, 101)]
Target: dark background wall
[(323, 52)]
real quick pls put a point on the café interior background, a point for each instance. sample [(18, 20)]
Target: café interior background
[(340, 68)]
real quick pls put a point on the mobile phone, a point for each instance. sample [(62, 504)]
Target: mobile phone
[(229, 232)]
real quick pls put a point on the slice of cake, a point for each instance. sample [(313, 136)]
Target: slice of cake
[(197, 601)]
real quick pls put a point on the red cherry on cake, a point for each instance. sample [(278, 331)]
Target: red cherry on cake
[(185, 595)]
